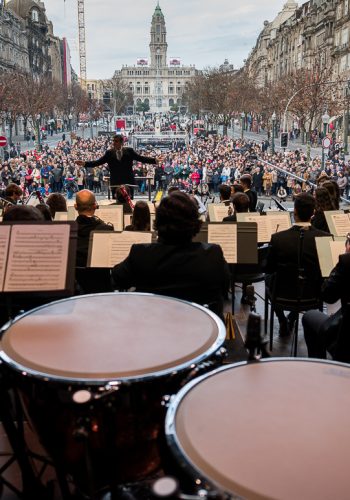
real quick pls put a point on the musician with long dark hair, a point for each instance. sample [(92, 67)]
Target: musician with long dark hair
[(120, 161)]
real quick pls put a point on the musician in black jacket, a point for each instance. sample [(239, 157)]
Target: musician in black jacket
[(320, 330), (292, 249), (176, 266), (86, 205), (120, 161)]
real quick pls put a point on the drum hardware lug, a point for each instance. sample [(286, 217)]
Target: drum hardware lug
[(166, 400)]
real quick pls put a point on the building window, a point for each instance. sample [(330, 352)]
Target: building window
[(171, 102), (35, 15)]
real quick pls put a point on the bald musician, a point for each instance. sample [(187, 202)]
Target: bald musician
[(85, 204)]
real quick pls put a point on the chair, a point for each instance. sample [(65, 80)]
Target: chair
[(291, 291), (249, 273)]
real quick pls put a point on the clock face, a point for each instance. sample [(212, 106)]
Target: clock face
[(158, 50)]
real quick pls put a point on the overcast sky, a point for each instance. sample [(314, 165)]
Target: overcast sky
[(200, 32)]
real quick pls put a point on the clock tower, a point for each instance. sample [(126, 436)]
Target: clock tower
[(158, 46)]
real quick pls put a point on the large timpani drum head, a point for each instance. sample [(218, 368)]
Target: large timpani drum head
[(92, 372), (277, 429), (111, 336)]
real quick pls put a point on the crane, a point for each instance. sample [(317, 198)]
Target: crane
[(82, 43)]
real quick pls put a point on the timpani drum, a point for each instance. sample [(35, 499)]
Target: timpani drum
[(92, 372), (274, 429)]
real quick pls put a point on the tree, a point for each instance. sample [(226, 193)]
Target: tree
[(121, 95)]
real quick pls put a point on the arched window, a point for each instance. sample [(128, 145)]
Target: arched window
[(171, 102), (35, 15), (138, 102), (146, 101)]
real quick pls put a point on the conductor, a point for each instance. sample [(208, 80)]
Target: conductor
[(120, 160)]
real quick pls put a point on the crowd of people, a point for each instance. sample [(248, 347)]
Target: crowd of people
[(224, 165), (202, 165)]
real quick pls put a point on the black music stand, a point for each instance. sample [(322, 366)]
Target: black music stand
[(149, 179)]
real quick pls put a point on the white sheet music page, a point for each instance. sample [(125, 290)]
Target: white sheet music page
[(112, 214), (341, 224), (217, 212), (224, 235), (38, 258), (4, 245), (109, 249), (337, 248)]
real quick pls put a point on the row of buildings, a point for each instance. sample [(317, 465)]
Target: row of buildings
[(28, 43), (318, 31)]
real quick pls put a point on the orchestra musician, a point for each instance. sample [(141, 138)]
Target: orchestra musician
[(176, 266), (120, 162), (85, 204)]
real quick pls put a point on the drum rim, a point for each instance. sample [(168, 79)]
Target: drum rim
[(173, 442), (221, 335)]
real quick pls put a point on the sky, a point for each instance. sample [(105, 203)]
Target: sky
[(199, 32)]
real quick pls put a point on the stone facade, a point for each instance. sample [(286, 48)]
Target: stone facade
[(13, 43), (299, 37), (31, 40), (156, 81)]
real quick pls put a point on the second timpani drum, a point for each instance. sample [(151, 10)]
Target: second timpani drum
[(92, 372), (275, 429)]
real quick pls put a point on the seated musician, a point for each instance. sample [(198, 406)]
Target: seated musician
[(13, 193), (289, 247), (176, 266), (225, 194), (141, 218), (320, 330), (240, 203), (85, 204)]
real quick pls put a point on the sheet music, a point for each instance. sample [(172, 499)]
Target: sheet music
[(337, 248), (328, 252), (340, 224), (4, 245), (152, 207), (224, 235), (127, 220), (217, 212), (61, 216), (72, 213), (112, 214), (109, 249), (38, 258), (103, 203), (267, 225)]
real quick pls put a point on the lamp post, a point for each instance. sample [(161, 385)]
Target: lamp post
[(325, 121), (242, 131), (273, 117), (70, 118), (38, 117)]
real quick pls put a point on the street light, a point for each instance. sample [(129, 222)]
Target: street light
[(325, 121), (38, 117), (70, 118), (242, 117), (273, 118)]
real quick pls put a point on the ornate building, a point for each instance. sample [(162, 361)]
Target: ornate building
[(317, 31), (41, 51), (13, 43), (158, 82)]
